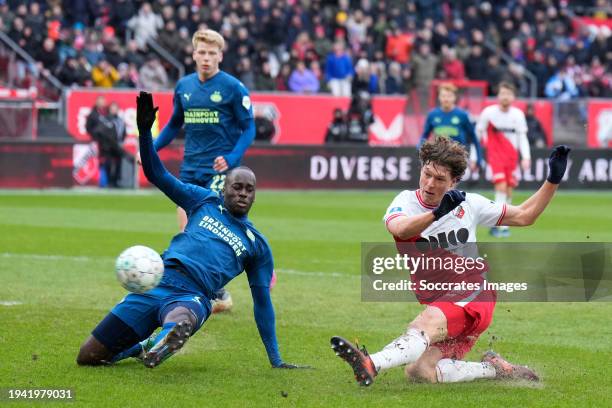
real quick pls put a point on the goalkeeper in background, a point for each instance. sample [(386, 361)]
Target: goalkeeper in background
[(448, 120)]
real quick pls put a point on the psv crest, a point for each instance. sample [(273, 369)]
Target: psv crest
[(216, 97)]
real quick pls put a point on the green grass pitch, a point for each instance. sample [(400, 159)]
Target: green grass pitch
[(57, 252)]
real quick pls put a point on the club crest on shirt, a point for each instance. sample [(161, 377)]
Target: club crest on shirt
[(216, 97), (459, 212), (437, 119), (455, 120)]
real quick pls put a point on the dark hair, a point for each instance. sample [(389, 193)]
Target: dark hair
[(445, 152)]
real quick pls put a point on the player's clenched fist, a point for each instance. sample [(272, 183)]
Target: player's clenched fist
[(557, 163), (449, 202), (145, 112)]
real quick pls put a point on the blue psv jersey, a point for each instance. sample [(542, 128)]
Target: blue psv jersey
[(215, 113), (216, 246)]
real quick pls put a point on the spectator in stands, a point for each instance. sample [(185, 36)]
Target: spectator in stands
[(245, 73), (394, 82), (339, 71), (94, 50), (104, 75), (128, 76), (303, 80), (322, 44), (71, 73), (476, 64), (133, 55), (494, 73), (145, 25), (535, 132), (359, 118), (399, 45), (36, 21), (263, 78), (561, 86), (170, 39), (112, 52), (6, 15), (537, 67), (153, 76), (452, 66), (424, 67), (48, 57), (121, 12), (364, 80)]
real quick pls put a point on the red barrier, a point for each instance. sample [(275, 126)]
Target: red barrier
[(299, 119), (599, 130)]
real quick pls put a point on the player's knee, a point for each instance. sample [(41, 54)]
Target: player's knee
[(180, 314), (420, 373)]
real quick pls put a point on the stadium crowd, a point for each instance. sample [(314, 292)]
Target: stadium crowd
[(309, 46)]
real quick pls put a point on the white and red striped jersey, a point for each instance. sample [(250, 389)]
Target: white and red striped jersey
[(512, 124), (455, 228)]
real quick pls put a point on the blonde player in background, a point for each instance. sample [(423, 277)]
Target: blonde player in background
[(502, 128)]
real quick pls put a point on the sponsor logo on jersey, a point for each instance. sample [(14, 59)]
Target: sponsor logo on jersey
[(221, 208), (444, 239), (187, 96), (246, 102), (216, 97), (395, 210), (455, 120)]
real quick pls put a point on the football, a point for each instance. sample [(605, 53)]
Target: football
[(139, 269)]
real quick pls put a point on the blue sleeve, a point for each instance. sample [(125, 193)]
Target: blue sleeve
[(266, 324), (184, 195), (426, 131), (243, 111), (471, 138), (174, 125)]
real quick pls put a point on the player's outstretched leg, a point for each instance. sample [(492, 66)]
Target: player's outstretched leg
[(171, 339), (222, 301), (359, 360), (506, 370)]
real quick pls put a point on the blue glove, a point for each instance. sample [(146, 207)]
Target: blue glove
[(449, 202), (557, 163)]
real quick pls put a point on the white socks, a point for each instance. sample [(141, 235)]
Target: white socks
[(450, 371), (401, 351), (500, 197)]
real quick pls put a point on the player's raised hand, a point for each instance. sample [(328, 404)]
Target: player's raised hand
[(145, 111), (557, 163), (449, 202), (292, 366), (220, 165)]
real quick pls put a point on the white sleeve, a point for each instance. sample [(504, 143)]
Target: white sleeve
[(397, 208), (481, 125), (487, 212), (523, 142)]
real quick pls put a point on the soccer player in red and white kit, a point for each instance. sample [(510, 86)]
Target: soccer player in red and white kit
[(502, 128), (435, 342)]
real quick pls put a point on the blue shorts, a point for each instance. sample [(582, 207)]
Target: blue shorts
[(214, 182), (143, 313)]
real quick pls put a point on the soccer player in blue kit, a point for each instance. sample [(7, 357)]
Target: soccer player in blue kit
[(215, 110), (448, 120), (218, 243)]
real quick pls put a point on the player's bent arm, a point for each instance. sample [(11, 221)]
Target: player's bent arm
[(243, 143), (406, 227), (172, 128), (529, 211), (266, 322), (183, 195)]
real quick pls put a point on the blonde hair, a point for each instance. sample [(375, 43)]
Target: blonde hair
[(208, 37), (448, 86)]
